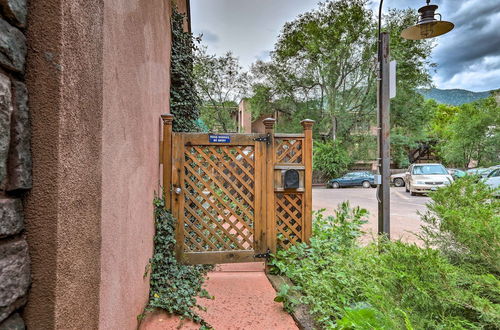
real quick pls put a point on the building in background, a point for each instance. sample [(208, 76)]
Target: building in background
[(248, 125)]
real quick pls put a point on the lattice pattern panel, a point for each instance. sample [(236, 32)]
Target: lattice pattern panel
[(288, 151), (219, 198), (289, 223)]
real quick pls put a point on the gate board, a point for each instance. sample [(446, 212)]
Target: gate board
[(229, 198), (219, 205)]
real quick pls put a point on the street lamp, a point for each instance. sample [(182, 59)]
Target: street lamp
[(427, 27)]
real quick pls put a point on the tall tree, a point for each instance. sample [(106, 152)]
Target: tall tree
[(221, 83), (327, 59), (473, 134), (328, 54)]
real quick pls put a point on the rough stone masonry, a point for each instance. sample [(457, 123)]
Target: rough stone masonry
[(15, 164)]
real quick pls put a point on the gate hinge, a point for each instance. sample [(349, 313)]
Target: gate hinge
[(266, 138), (266, 255)]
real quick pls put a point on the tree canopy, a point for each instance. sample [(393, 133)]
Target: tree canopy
[(470, 132), (324, 67), (221, 83), (325, 60)]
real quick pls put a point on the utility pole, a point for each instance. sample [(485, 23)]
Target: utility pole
[(384, 151), (427, 27)]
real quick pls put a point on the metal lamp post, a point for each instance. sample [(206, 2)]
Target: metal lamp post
[(427, 27)]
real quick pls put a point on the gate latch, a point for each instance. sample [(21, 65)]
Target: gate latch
[(266, 138), (266, 255)]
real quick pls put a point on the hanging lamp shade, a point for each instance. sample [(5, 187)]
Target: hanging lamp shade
[(427, 26)]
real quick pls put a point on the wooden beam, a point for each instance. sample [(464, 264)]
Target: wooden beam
[(307, 124), (269, 186), (166, 156), (218, 257)]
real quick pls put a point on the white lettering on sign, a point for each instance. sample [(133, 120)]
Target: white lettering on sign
[(216, 138)]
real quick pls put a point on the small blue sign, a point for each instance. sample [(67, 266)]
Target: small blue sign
[(216, 138)]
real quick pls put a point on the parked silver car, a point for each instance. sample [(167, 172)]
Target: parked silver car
[(424, 178), (398, 179), (482, 172)]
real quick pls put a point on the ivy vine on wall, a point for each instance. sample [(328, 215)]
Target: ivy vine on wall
[(173, 286), (183, 97)]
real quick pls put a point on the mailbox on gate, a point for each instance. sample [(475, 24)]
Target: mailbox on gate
[(291, 179)]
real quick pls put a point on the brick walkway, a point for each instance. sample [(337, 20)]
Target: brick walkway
[(244, 300)]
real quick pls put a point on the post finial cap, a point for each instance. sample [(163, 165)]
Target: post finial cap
[(307, 124), (269, 123), (167, 118)]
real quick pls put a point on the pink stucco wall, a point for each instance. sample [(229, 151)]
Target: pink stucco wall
[(244, 117), (63, 210), (136, 91), (98, 79)]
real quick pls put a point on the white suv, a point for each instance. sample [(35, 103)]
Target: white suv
[(423, 178)]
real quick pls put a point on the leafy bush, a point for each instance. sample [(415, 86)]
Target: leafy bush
[(173, 286), (463, 221), (331, 158), (286, 295), (403, 287)]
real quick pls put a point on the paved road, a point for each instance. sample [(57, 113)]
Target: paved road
[(404, 217)]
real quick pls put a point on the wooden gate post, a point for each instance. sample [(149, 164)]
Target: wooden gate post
[(166, 154), (268, 196), (307, 124)]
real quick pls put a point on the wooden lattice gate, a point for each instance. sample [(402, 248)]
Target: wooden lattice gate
[(236, 197)]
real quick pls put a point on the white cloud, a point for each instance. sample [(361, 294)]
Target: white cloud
[(480, 76)]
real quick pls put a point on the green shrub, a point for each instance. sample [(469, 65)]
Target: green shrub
[(348, 286), (331, 158), (286, 295), (463, 221)]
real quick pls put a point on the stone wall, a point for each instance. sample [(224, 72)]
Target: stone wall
[(15, 163)]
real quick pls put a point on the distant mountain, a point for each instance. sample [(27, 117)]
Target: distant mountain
[(453, 96)]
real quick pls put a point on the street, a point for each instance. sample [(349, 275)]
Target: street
[(404, 218)]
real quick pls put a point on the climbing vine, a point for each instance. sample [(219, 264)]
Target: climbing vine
[(173, 286), (183, 97)]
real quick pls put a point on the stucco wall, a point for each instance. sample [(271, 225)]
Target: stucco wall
[(136, 91), (258, 125), (98, 73), (244, 117), (63, 211)]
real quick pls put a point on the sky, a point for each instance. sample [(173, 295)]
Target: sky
[(468, 57)]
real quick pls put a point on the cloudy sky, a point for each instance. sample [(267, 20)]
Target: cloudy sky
[(468, 57)]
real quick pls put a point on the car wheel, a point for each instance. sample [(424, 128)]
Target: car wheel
[(398, 182), (366, 184), (412, 193), (335, 185)]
